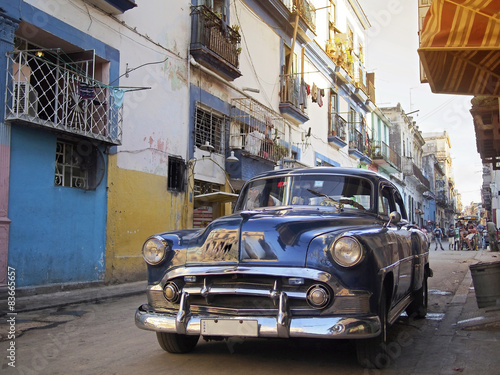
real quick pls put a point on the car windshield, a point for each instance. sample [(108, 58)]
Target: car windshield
[(335, 191)]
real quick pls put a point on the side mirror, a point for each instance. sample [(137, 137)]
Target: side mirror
[(394, 218)]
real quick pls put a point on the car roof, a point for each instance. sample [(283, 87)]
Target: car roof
[(371, 175)]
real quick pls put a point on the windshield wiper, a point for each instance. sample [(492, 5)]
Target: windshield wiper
[(338, 204)]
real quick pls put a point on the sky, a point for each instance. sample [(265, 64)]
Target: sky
[(392, 43)]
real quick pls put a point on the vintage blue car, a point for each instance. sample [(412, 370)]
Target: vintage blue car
[(323, 253)]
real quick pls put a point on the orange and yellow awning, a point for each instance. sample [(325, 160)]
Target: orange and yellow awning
[(460, 47)]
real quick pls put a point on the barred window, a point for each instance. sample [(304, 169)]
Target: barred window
[(69, 171), (209, 127), (78, 165), (176, 174)]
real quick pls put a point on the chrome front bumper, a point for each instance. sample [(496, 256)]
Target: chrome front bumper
[(281, 326)]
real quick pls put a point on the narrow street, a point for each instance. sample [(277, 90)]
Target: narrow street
[(102, 339)]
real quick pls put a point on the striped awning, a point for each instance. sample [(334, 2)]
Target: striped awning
[(460, 47)]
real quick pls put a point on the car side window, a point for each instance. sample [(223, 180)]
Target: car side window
[(386, 202), (400, 207)]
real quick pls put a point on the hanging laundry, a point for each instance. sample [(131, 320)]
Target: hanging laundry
[(118, 96), (303, 93), (314, 93), (321, 93)]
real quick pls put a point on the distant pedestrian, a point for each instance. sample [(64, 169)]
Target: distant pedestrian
[(484, 235), (492, 235), (456, 239), (451, 237), (438, 234)]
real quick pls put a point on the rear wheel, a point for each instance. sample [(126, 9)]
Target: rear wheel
[(175, 343), (372, 352)]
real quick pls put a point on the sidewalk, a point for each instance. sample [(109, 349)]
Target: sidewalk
[(473, 317), (30, 300)]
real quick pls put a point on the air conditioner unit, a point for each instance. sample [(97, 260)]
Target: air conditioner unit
[(24, 100)]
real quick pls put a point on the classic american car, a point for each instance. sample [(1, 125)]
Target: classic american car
[(324, 253)]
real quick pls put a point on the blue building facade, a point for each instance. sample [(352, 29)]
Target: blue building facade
[(56, 204)]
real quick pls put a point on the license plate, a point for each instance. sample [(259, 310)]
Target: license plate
[(229, 327)]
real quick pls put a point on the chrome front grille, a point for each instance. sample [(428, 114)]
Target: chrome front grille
[(237, 294), (234, 294)]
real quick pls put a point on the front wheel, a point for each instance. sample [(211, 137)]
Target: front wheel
[(175, 343), (372, 352), (418, 307)]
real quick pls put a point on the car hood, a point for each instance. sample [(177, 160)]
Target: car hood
[(275, 237)]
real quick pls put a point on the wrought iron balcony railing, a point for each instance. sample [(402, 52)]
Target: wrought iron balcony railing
[(411, 170), (355, 139), (215, 35), (382, 151), (257, 130), (292, 93), (417, 172), (338, 126), (57, 95), (305, 9)]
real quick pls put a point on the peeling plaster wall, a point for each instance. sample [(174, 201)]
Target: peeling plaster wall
[(155, 127), (138, 206)]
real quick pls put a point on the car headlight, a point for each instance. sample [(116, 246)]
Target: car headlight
[(347, 251), (154, 250)]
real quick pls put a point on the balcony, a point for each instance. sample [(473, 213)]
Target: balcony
[(413, 173), (307, 12), (424, 183), (257, 131), (386, 157), (441, 199), (214, 44), (337, 134), (114, 6), (357, 146), (291, 98), (59, 95), (304, 9), (441, 184)]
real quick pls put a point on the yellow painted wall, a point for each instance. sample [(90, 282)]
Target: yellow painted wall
[(139, 205)]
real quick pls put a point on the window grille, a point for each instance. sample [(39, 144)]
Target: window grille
[(78, 165), (69, 167), (209, 127), (176, 174)]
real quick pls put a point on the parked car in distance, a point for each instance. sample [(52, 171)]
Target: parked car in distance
[(323, 253)]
